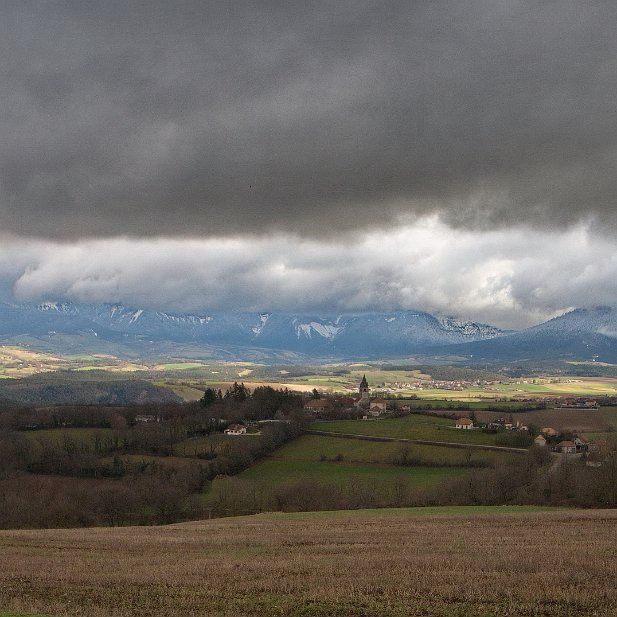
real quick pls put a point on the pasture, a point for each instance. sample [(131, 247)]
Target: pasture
[(329, 472), (314, 448), (442, 562), (269, 473), (415, 426)]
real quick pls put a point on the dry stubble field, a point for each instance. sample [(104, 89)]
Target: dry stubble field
[(371, 563)]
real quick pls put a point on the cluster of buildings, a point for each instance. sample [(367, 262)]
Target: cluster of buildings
[(363, 402), (496, 425), (578, 403), (455, 386), (549, 437)]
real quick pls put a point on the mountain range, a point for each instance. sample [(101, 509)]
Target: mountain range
[(60, 327)]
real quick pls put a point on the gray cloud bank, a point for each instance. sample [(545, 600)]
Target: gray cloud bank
[(509, 278), (206, 118)]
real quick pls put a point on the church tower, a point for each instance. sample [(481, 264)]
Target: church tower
[(364, 389)]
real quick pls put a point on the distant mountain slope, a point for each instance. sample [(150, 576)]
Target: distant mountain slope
[(83, 327), (56, 390), (585, 334)]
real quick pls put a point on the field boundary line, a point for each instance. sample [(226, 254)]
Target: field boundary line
[(426, 442)]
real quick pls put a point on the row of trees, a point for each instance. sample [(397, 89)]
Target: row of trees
[(240, 403), (536, 479), (50, 485), (122, 471)]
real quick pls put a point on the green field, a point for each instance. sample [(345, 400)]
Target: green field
[(350, 471), (316, 448), (414, 426), (186, 393), (272, 472), (179, 366)]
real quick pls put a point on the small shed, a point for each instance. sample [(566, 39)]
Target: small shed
[(539, 440)]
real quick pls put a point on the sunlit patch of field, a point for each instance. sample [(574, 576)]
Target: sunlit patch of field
[(187, 393), (120, 367), (11, 353), (178, 366), (466, 395), (567, 386), (387, 563)]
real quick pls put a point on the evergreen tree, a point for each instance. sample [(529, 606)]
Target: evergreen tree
[(209, 397)]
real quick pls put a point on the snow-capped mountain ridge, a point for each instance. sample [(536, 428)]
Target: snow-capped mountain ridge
[(578, 334), (366, 333)]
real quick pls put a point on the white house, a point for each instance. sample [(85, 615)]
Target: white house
[(235, 429)]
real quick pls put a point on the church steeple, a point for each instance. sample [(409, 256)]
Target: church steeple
[(364, 389)]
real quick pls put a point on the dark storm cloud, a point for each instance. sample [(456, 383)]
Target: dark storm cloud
[(211, 118)]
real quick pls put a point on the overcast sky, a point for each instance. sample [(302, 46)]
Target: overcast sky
[(456, 157)]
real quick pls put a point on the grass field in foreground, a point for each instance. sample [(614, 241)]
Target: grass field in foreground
[(408, 427), (397, 563)]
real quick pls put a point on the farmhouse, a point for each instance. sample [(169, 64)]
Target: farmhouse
[(566, 447), (235, 429), (317, 405), (146, 418), (378, 406), (464, 423)]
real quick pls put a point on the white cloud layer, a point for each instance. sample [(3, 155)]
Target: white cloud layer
[(509, 278)]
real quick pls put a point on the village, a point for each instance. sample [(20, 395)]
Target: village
[(366, 407)]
